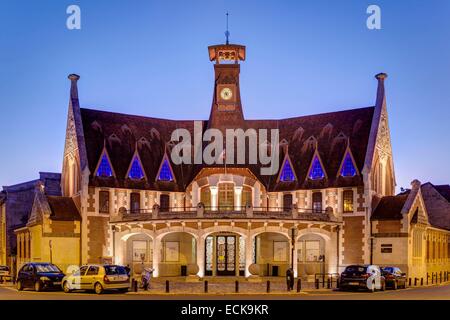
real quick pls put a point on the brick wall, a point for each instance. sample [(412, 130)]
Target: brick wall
[(98, 238)]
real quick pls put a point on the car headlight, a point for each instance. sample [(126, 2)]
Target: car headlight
[(44, 278)]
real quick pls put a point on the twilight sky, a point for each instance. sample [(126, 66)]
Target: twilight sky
[(150, 58)]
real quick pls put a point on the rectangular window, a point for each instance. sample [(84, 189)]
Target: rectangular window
[(317, 202), (386, 248), (312, 250), (347, 196), (139, 250), (103, 201), (135, 202), (287, 202), (164, 202), (205, 197)]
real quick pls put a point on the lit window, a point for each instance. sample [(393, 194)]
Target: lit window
[(104, 202), (316, 171), (348, 200), (165, 174), (135, 202), (136, 171), (287, 174), (348, 169), (104, 168)]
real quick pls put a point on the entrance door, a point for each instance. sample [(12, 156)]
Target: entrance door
[(226, 255)]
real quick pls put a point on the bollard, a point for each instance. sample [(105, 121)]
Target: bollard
[(206, 286), (135, 285), (236, 286), (317, 283), (323, 281), (421, 281), (167, 286), (440, 277), (428, 276), (299, 285), (432, 278), (338, 284), (415, 282), (268, 286), (328, 284), (409, 282)]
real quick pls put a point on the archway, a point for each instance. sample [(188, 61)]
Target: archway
[(311, 255), (178, 253), (137, 252), (272, 253), (224, 254)]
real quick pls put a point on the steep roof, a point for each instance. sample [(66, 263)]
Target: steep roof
[(437, 202), (390, 207), (63, 209), (330, 133)]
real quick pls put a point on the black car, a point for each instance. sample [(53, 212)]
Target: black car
[(394, 277), (39, 276)]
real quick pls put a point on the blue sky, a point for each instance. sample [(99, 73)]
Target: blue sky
[(150, 58)]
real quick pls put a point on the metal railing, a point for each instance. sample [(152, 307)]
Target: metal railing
[(223, 212)]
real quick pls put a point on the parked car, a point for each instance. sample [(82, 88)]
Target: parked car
[(368, 277), (4, 274), (39, 276), (394, 277), (98, 278)]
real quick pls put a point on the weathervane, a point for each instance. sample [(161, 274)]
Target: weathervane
[(227, 33)]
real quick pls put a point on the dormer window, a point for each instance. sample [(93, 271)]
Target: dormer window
[(104, 167), (348, 168), (165, 172), (136, 171), (316, 172), (287, 174)]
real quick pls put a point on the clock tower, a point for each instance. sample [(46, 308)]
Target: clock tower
[(226, 110)]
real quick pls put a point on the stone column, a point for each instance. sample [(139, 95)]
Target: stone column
[(294, 257), (237, 252), (237, 198), (248, 254), (214, 197), (200, 242), (156, 256)]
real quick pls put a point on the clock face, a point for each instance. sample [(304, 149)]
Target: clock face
[(226, 93)]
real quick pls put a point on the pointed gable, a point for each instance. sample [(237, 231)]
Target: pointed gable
[(135, 171), (165, 172), (316, 171), (287, 173), (104, 168), (348, 167)]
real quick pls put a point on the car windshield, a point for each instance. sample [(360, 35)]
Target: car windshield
[(388, 269), (47, 268), (115, 270), (360, 269)]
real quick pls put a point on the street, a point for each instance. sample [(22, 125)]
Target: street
[(440, 292)]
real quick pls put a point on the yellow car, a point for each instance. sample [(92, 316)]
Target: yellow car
[(98, 278)]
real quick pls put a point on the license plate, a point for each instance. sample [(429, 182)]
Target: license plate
[(57, 283), (354, 283)]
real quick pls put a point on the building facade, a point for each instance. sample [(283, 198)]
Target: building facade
[(124, 199), (140, 208)]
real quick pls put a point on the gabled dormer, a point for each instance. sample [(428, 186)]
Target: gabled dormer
[(165, 172), (348, 166), (104, 168), (135, 170), (287, 172), (316, 169)]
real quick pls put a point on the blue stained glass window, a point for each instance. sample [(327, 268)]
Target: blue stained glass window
[(316, 171), (136, 171), (287, 174), (165, 174), (104, 169), (348, 169)]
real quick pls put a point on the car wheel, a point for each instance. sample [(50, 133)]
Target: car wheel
[(98, 288), (66, 287), (19, 285), (37, 286)]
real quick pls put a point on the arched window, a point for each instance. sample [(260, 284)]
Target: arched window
[(226, 196), (317, 202), (347, 200)]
